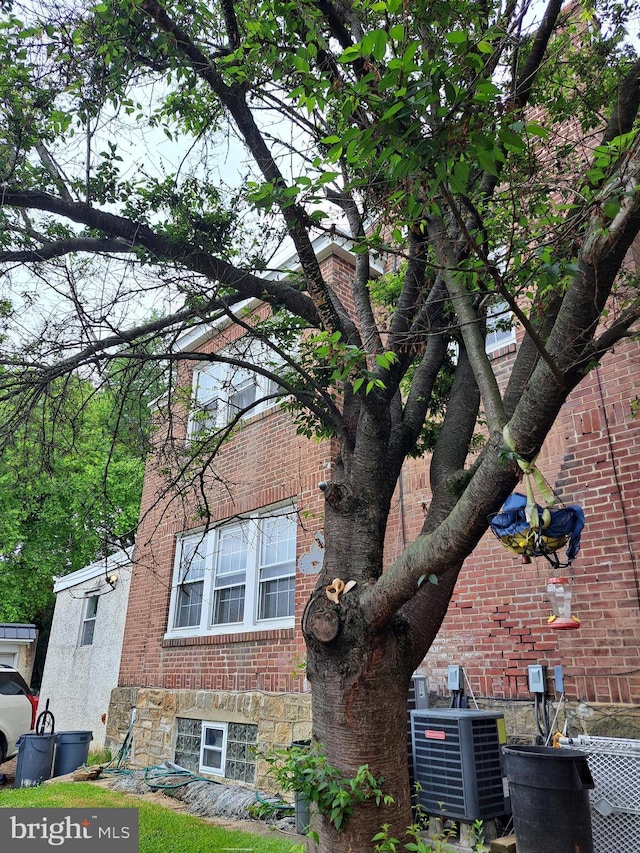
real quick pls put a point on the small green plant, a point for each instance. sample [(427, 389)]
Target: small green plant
[(265, 809), (417, 843), (299, 668), (99, 756), (305, 769), (478, 834)]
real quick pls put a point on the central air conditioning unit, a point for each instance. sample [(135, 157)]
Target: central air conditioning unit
[(457, 763)]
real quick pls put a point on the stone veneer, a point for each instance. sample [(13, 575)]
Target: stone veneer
[(283, 718), (595, 719)]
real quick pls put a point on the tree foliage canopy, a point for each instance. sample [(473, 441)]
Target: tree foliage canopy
[(481, 152), (70, 484)]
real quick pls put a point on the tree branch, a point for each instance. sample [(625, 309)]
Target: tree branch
[(471, 330), (191, 257), (627, 105), (361, 294), (494, 274), (332, 314), (95, 245), (525, 81), (454, 439), (54, 170)]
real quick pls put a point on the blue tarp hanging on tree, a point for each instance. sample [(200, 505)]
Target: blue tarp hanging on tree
[(516, 533)]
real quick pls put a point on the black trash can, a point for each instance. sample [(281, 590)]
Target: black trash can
[(72, 751), (549, 799), (35, 757), (302, 809), (302, 813)]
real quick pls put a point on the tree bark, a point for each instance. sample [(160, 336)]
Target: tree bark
[(359, 701), (359, 681)]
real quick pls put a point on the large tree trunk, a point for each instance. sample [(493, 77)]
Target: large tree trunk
[(359, 700), (359, 680)]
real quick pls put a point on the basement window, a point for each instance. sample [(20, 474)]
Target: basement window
[(217, 748)]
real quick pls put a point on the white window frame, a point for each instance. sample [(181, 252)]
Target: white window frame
[(250, 568), (89, 619), (205, 410), (191, 570), (496, 339), (207, 768), (217, 383)]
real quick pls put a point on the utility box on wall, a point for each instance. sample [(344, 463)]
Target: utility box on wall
[(457, 761), (417, 698)]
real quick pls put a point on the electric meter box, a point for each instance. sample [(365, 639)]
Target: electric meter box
[(537, 678)]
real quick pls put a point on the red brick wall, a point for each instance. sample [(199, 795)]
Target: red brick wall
[(265, 463), (497, 622)]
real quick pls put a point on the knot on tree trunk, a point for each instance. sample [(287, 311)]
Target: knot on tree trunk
[(321, 619), (339, 497)]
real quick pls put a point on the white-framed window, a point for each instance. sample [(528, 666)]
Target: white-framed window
[(238, 576), (500, 328), (222, 391), (190, 582), (217, 748), (89, 620), (213, 748)]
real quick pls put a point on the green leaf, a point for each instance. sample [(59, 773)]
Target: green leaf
[(486, 87), (487, 161), (457, 37), (611, 208), (537, 130), (511, 141), (393, 110), (350, 54)]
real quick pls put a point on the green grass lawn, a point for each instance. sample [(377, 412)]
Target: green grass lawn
[(162, 830)]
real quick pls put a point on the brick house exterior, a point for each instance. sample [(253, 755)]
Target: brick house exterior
[(203, 698), (497, 626)]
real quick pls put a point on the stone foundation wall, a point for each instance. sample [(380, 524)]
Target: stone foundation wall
[(582, 718), (281, 719)]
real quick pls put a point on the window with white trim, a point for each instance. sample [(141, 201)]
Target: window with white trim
[(222, 391), (190, 582), (217, 748), (89, 620), (500, 329), (239, 576), (213, 747)]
